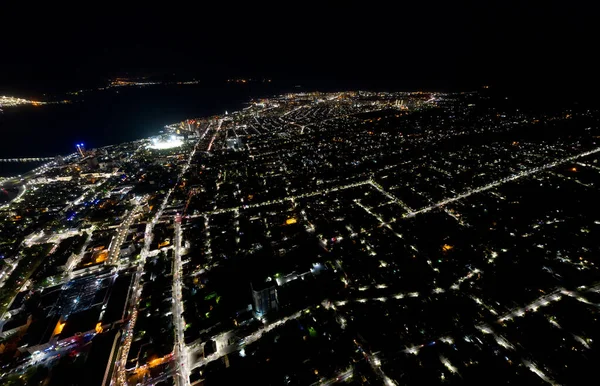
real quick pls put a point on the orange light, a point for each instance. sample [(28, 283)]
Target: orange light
[(99, 328), (102, 256), (447, 247), (156, 362), (574, 169), (291, 221), (59, 327)]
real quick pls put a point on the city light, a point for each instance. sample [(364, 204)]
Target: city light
[(160, 144), (383, 227)]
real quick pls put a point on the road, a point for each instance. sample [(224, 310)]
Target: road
[(214, 135), (390, 196), (225, 349), (180, 350), (514, 177), (122, 232), (343, 376), (181, 355), (372, 359), (119, 375), (69, 272), (282, 200), (24, 178), (21, 189)]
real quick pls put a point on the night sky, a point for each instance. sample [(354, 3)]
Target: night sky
[(427, 44)]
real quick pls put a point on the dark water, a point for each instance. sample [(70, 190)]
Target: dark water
[(112, 116)]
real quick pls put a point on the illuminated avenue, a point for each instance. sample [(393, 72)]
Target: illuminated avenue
[(356, 238)]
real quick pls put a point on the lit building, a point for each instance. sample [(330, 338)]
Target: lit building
[(234, 143), (81, 149), (159, 143), (264, 297)]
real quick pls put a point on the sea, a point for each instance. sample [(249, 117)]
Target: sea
[(103, 117)]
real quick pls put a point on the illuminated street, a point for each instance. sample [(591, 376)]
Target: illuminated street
[(314, 238)]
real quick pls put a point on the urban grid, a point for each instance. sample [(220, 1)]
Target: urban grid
[(360, 238)]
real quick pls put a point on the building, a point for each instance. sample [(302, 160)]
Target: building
[(234, 143), (284, 279), (64, 264), (16, 323), (81, 149), (92, 162), (273, 293), (264, 297), (126, 250)]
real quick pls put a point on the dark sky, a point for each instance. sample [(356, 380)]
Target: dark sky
[(438, 44)]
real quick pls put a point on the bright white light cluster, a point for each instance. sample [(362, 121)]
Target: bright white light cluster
[(8, 101), (165, 143)]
